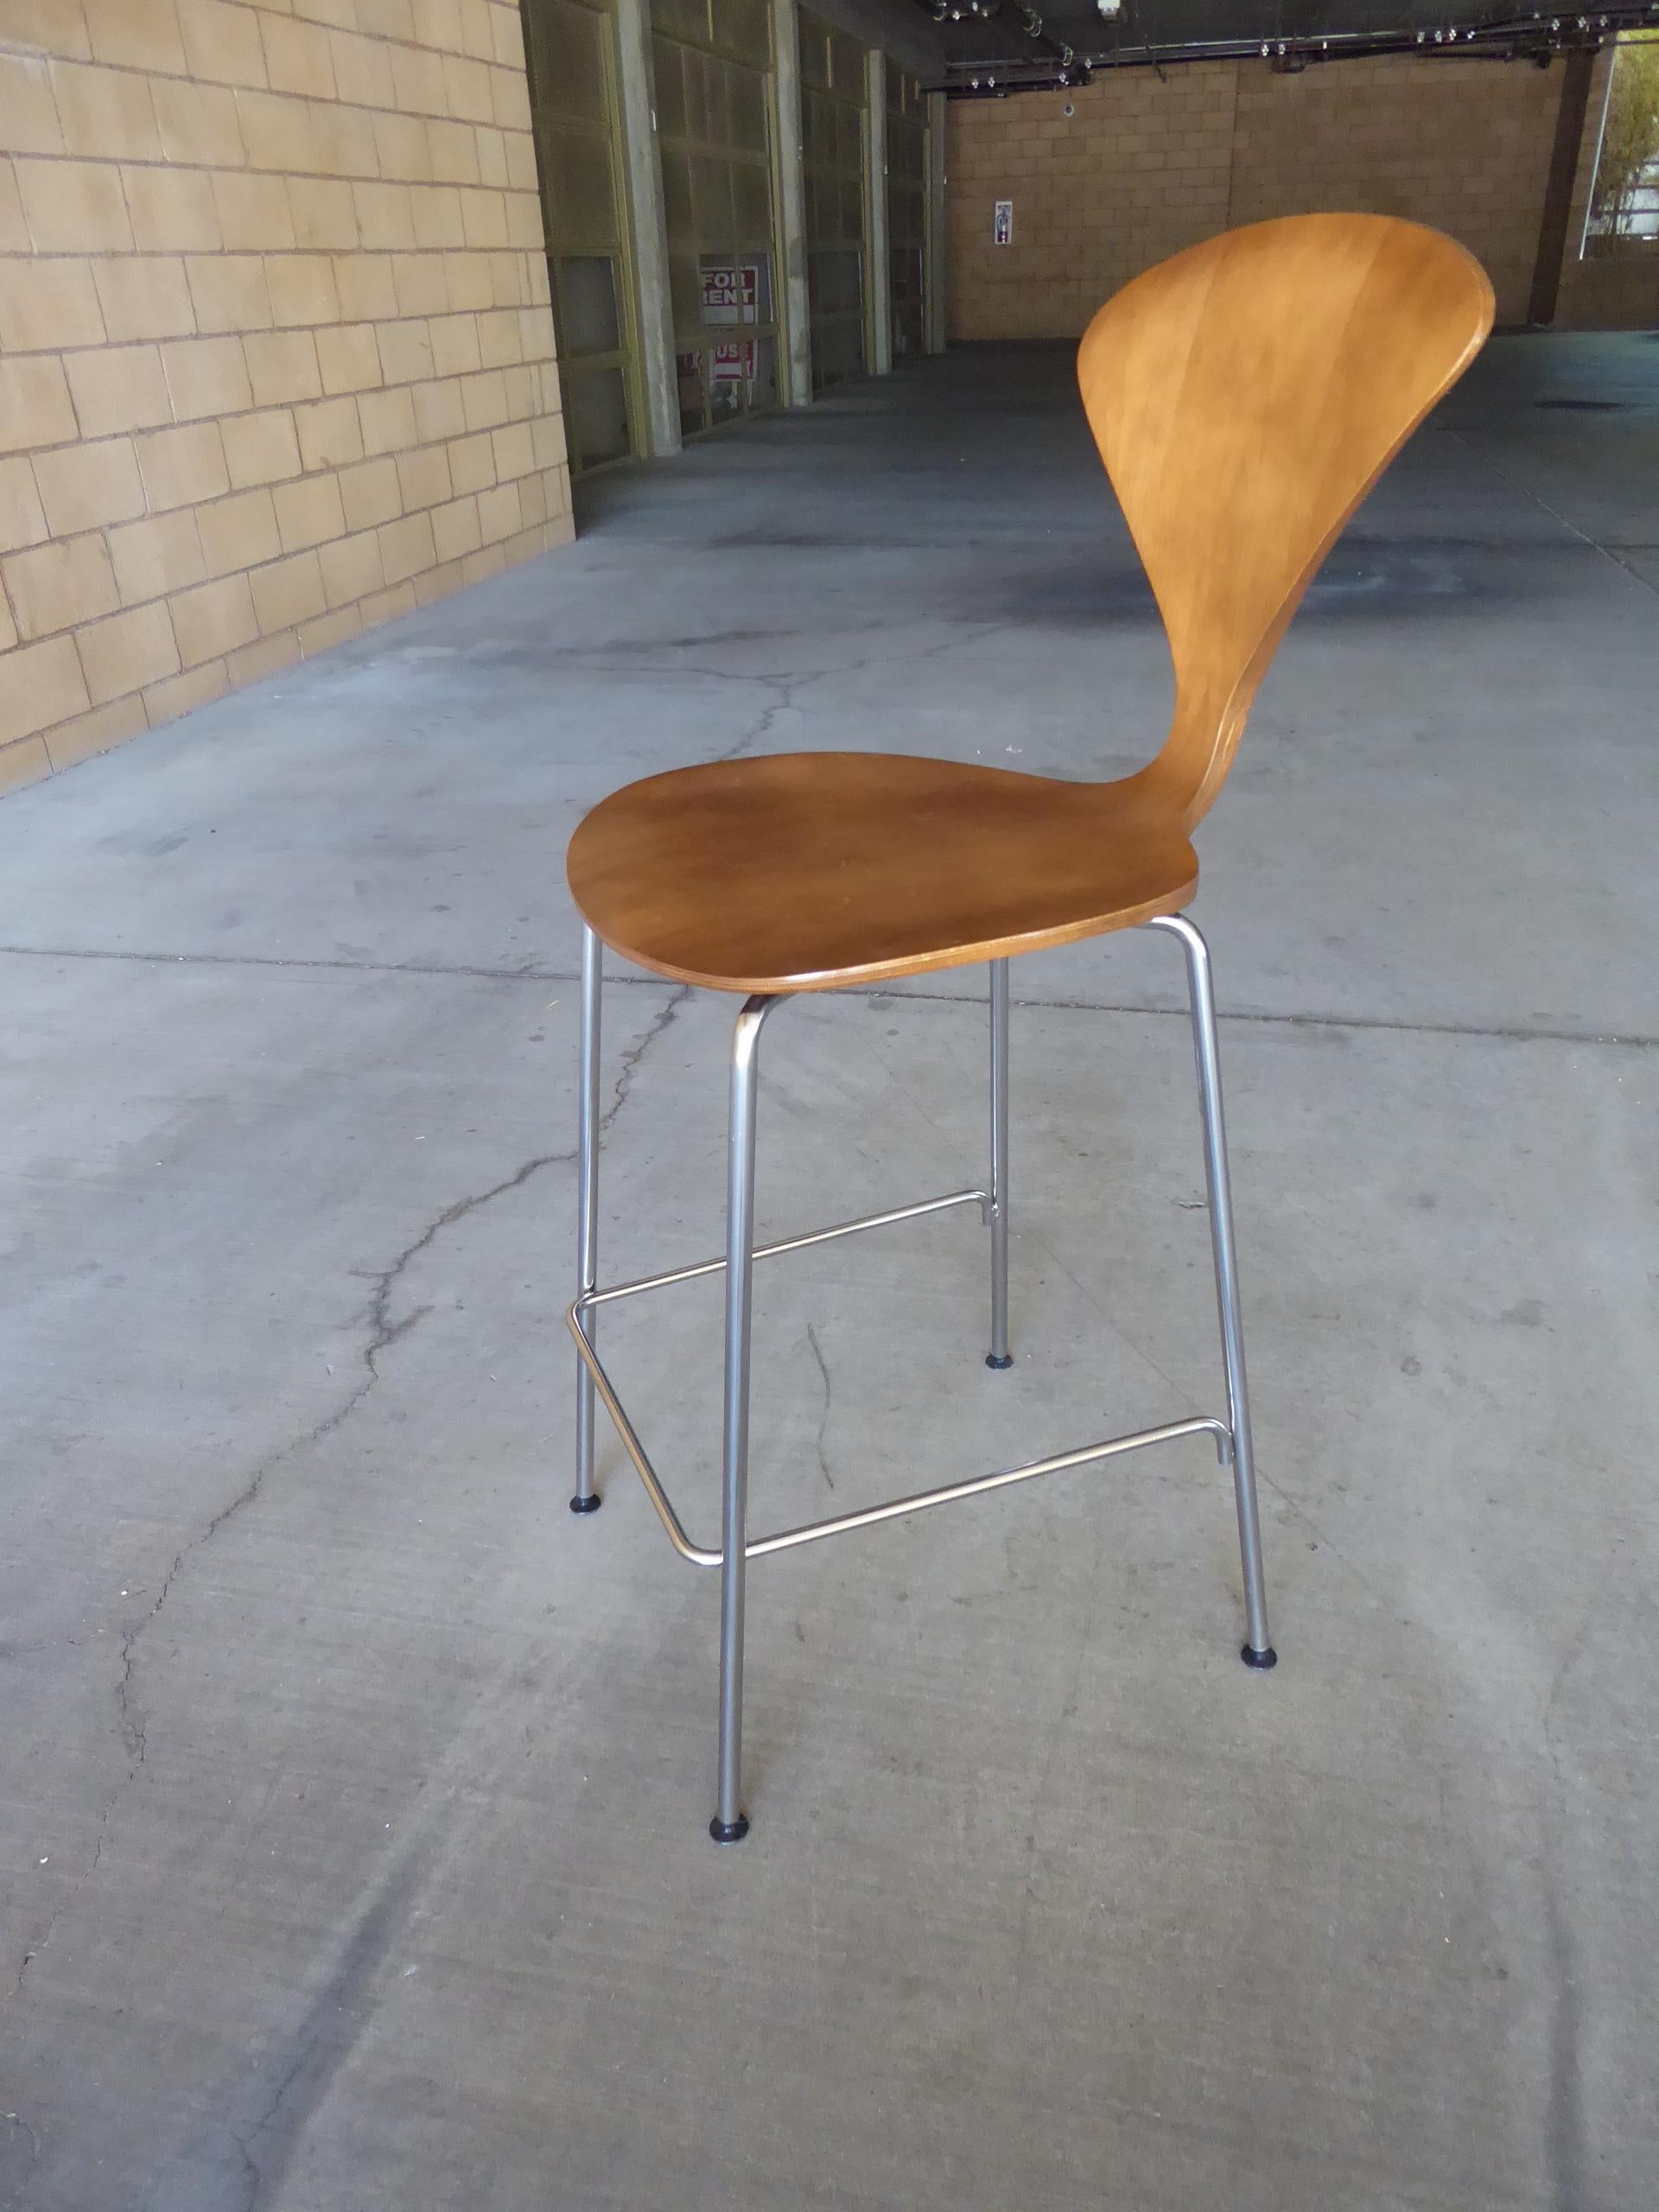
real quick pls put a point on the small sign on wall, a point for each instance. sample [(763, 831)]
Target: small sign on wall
[(730, 296), (1002, 223)]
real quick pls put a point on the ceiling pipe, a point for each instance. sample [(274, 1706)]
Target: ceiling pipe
[(1534, 38), (1070, 69)]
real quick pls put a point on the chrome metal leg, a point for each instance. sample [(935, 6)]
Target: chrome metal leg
[(587, 1497), (1258, 1650), (729, 1824), (997, 1206)]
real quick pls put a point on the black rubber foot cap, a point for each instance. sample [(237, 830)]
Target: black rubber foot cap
[(991, 1360), (733, 1833), (1262, 1660), (585, 1504)]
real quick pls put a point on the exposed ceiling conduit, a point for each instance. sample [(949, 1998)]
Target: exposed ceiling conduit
[(1535, 37)]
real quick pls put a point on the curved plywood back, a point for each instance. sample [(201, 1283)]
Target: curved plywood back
[(1245, 396)]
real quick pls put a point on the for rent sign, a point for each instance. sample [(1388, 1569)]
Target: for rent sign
[(731, 295)]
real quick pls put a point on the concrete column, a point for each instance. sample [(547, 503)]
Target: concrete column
[(880, 257), (643, 178), (933, 250), (1570, 112), (795, 368)]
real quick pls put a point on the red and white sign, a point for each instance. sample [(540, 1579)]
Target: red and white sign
[(731, 294)]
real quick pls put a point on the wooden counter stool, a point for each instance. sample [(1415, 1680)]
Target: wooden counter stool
[(1245, 396)]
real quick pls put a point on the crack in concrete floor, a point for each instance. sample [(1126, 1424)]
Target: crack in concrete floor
[(383, 1333)]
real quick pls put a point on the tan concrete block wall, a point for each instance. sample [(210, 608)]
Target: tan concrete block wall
[(1463, 145), (1142, 169), (277, 352)]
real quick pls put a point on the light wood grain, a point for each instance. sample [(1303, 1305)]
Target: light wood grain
[(1245, 396), (840, 867)]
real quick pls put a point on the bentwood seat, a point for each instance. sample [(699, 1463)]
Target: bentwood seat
[(1245, 396), (808, 870)]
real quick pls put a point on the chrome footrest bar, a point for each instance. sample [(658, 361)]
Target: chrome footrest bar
[(790, 1244), (869, 1514), (866, 1516)]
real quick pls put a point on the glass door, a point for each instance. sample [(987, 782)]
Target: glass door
[(712, 61), (907, 211), (832, 148), (570, 45)]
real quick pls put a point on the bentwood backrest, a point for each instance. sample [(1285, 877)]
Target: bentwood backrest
[(1245, 396)]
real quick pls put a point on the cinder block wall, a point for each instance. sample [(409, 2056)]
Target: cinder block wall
[(1144, 168), (275, 349), (1141, 169)]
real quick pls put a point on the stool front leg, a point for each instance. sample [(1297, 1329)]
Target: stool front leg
[(1258, 1650), (730, 1824), (587, 1497), (997, 1209)]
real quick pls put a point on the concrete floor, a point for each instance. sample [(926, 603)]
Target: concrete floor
[(353, 1854)]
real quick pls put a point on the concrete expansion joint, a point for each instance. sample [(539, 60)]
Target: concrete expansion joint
[(1513, 1032), (1613, 553)]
